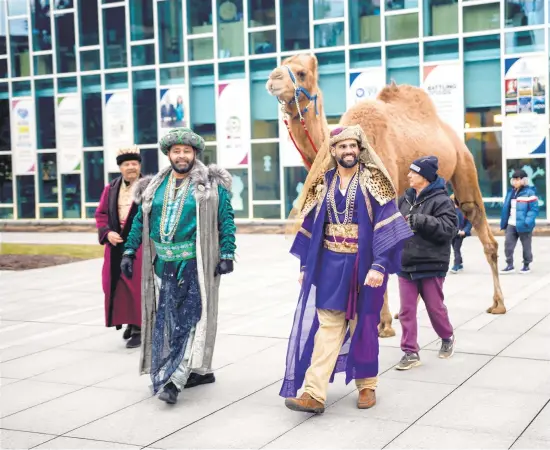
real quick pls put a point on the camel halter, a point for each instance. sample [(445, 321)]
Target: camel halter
[(298, 90)]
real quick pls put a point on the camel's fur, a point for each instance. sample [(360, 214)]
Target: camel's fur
[(401, 124)]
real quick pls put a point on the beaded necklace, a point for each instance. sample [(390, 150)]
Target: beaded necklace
[(169, 193), (350, 200)]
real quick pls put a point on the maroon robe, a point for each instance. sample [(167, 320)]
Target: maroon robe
[(122, 296)]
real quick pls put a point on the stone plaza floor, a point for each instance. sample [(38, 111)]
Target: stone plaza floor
[(69, 382)]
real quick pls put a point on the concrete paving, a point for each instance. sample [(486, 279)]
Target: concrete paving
[(68, 382)]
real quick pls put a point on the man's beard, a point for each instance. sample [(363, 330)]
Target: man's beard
[(346, 164), (185, 170)]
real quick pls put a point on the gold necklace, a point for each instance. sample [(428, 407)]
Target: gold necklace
[(350, 200), (168, 236)]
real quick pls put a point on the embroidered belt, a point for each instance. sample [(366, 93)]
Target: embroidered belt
[(341, 247), (179, 251), (347, 231)]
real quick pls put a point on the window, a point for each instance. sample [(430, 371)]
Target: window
[(536, 172), (43, 65), (446, 50), (41, 26), (328, 9), (522, 13), (403, 64), (63, 4), (92, 116), (481, 17), (199, 17), (209, 155), (88, 22), (170, 31), (201, 49), (261, 12), (332, 81), (263, 42), (266, 211), (72, 202), (364, 21), (263, 107), (89, 60), (6, 180), (265, 172), (19, 43), (149, 161), (295, 178), (65, 43), (365, 57), (294, 25), (47, 178), (172, 75), (26, 198), (524, 41), (202, 101), (93, 175), (3, 25), (17, 8), (141, 20), (114, 38), (145, 107), (5, 128), (396, 5), (3, 68), (230, 28), (48, 212), (329, 35), (486, 148), (239, 189), (401, 26), (482, 75), (440, 17), (143, 55), (45, 114)]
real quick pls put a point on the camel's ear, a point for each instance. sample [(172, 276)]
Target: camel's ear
[(393, 84), (313, 63)]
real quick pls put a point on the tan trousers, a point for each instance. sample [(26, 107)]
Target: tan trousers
[(328, 342)]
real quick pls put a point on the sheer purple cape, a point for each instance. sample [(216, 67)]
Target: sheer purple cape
[(380, 239)]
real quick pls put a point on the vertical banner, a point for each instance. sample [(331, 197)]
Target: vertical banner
[(117, 125), (443, 82), (23, 136), (233, 128), (174, 109), (525, 119), (69, 133), (365, 84)]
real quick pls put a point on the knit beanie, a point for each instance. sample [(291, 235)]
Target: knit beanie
[(427, 167)]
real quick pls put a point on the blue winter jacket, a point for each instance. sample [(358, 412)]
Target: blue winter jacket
[(527, 209), (463, 223)]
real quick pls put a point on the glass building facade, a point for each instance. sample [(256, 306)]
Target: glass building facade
[(80, 78)]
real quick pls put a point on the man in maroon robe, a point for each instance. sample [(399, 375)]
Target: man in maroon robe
[(114, 217)]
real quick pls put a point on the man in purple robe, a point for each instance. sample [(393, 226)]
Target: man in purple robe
[(114, 217), (351, 239)]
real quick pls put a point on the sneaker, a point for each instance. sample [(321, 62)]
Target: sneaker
[(508, 269), (447, 348), (408, 361), (127, 333), (134, 341), (169, 394), (525, 269), (457, 268), (196, 380)]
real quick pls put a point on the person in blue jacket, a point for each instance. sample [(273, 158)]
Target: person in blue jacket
[(519, 212), (464, 230)]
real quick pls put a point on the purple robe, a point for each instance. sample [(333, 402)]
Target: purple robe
[(122, 296), (380, 244)]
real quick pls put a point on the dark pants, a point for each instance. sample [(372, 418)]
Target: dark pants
[(510, 242), (431, 291), (457, 245)]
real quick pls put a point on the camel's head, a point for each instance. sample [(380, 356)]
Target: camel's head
[(296, 76)]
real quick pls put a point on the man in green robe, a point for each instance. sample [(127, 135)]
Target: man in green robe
[(185, 224)]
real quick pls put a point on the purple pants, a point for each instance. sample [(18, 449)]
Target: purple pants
[(431, 291)]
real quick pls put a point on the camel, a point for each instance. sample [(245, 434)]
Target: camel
[(402, 125)]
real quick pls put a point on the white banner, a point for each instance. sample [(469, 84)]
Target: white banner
[(117, 124), (443, 82), (233, 128), (365, 84), (69, 133), (23, 135), (525, 124)]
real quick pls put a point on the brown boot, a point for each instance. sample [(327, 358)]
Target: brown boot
[(305, 403), (367, 399)]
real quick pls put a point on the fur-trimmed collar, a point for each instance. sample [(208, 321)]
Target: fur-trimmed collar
[(200, 175)]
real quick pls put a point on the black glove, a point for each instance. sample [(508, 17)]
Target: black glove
[(224, 267), (127, 266), (411, 221)]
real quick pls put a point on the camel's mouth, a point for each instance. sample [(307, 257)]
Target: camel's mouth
[(277, 88)]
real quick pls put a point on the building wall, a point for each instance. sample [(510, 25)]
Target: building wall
[(80, 78)]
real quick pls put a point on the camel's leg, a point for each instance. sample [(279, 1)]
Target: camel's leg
[(466, 187), (384, 328)]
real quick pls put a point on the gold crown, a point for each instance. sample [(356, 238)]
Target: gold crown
[(134, 149)]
